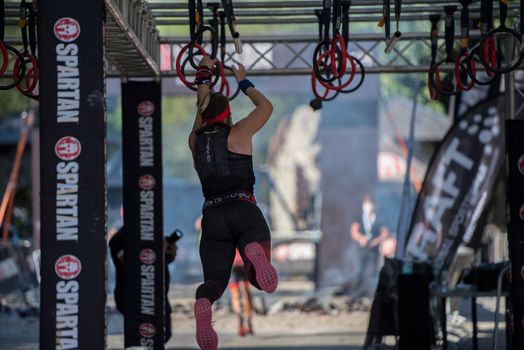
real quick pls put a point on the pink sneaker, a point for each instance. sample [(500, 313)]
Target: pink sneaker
[(266, 274), (206, 336)]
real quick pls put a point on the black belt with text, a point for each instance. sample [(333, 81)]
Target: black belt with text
[(228, 198)]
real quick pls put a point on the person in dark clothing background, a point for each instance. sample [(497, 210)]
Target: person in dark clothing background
[(369, 232), (222, 154), (116, 247)]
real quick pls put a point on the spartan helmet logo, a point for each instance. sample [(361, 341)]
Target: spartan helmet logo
[(146, 182), (147, 330), (146, 108), (521, 164), (68, 267), (67, 29), (147, 256), (68, 148)]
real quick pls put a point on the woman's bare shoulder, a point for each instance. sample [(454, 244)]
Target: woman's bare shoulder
[(239, 141)]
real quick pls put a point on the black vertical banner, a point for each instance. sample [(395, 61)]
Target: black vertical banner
[(143, 215), (458, 185), (515, 196), (73, 174)]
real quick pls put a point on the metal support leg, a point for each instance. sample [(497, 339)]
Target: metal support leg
[(508, 324), (509, 91), (474, 321), (443, 324)]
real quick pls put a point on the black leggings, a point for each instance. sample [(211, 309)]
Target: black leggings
[(224, 228)]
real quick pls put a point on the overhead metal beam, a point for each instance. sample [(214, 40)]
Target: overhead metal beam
[(277, 54), (474, 34), (305, 71), (182, 13), (294, 4), (9, 5), (292, 55), (301, 20)]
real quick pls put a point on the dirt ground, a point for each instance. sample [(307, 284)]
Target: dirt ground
[(286, 330), (284, 326)]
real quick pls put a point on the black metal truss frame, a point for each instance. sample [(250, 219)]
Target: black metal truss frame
[(280, 54), (174, 13), (292, 55)]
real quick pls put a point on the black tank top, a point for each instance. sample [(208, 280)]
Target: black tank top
[(221, 171)]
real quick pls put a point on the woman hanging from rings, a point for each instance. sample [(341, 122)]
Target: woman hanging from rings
[(222, 153)]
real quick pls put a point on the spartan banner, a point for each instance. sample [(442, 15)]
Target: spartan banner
[(143, 215), (458, 185), (515, 192), (73, 175)]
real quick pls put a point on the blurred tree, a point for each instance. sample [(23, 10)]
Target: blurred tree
[(12, 102)]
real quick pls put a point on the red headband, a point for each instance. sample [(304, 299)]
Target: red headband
[(222, 116)]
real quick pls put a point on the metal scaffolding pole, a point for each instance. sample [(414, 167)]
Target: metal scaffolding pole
[(509, 84)]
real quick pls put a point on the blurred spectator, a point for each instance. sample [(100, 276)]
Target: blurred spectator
[(116, 247), (368, 232), (241, 299)]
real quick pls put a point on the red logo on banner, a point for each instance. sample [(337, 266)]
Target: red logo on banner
[(146, 108), (67, 29), (68, 267), (521, 164), (146, 182), (68, 148), (147, 330), (147, 256)]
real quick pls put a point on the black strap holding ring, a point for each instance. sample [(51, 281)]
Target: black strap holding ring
[(199, 21), (461, 68), (338, 40), (27, 26), (346, 4), (319, 51), (386, 15), (5, 58), (328, 44), (232, 23), (192, 18), (434, 48), (21, 71), (486, 24), (6, 50), (214, 44), (222, 21), (446, 86), (503, 29), (3, 48)]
